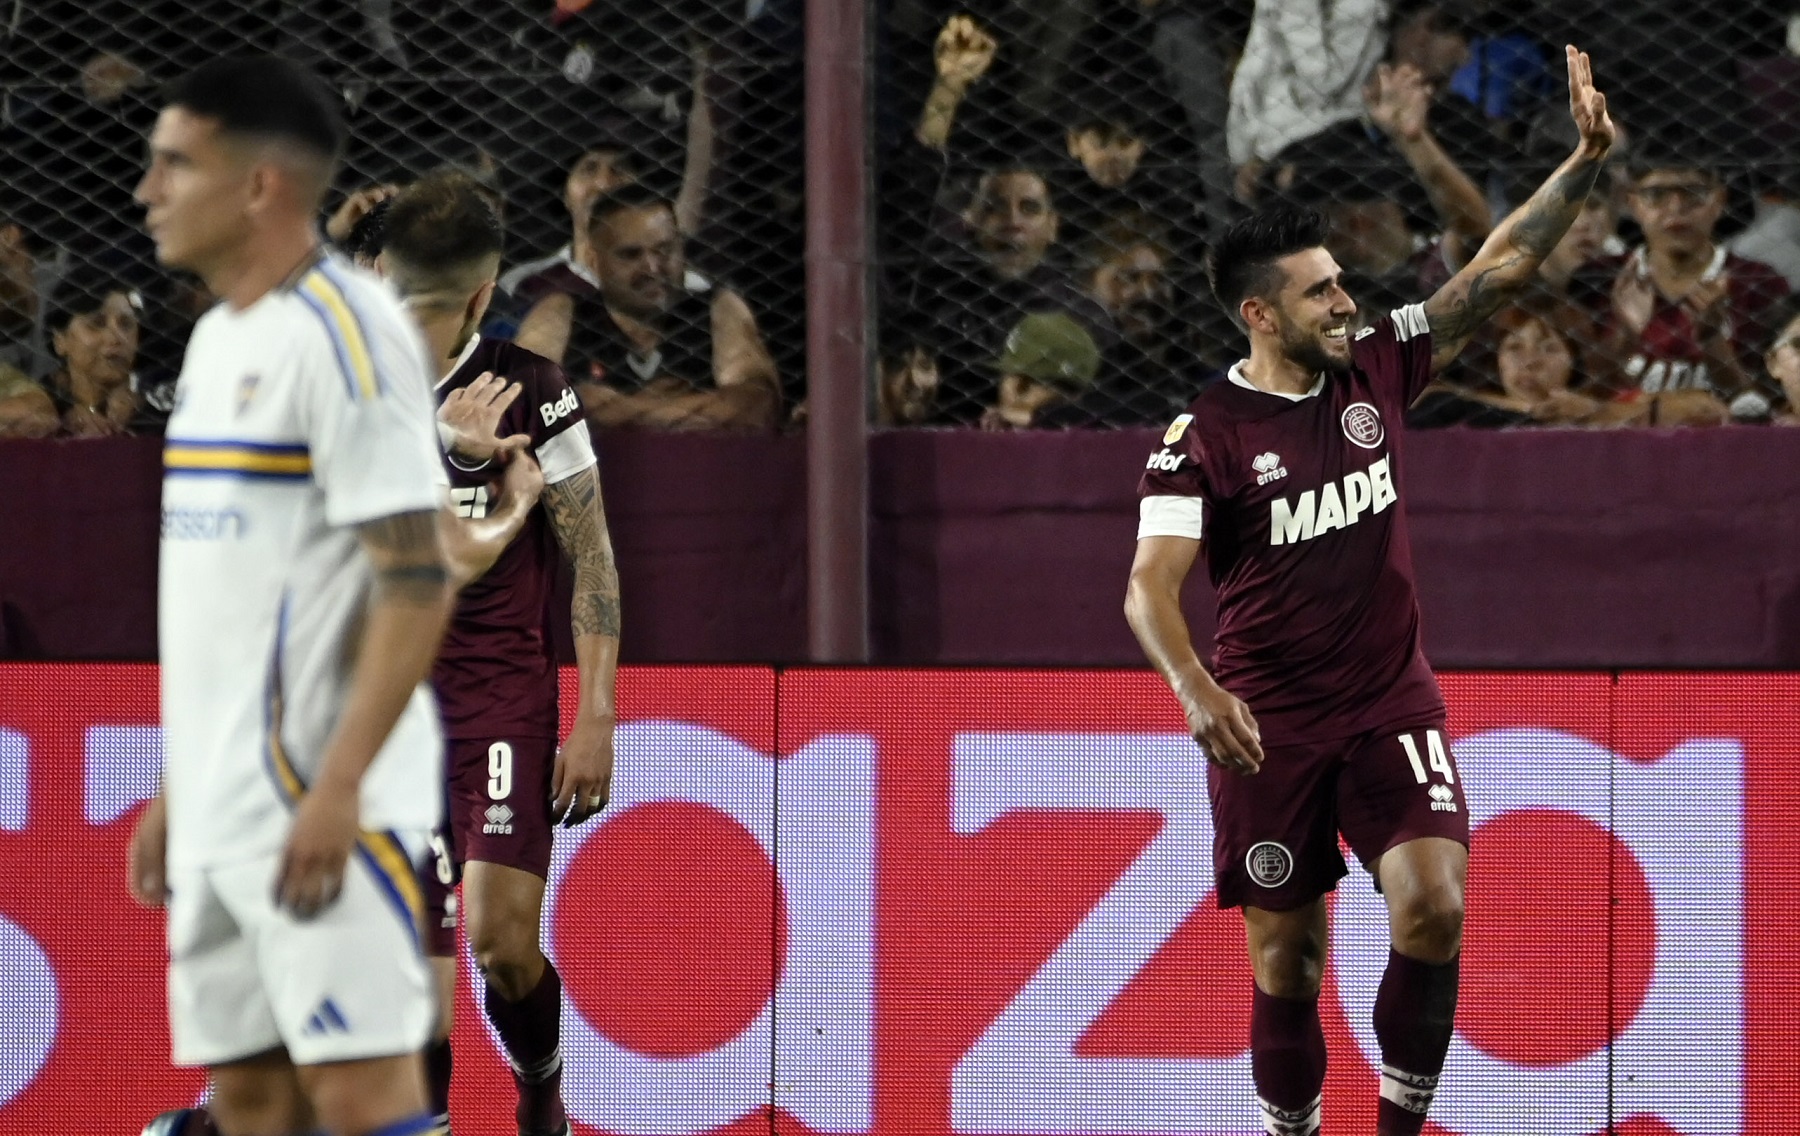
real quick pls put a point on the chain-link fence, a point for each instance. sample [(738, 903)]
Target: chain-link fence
[(1051, 173), (553, 103), (1048, 173)]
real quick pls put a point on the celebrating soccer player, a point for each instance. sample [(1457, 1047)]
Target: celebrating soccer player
[(1321, 714), (304, 756), (496, 675)]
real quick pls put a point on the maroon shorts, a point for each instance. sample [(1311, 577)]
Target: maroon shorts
[(1275, 834), (496, 810)]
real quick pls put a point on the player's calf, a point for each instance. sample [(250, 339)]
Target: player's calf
[(1415, 1007), (377, 1096), (259, 1096)]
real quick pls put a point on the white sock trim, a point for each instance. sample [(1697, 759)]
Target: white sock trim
[(1411, 1091), (1291, 1122), (543, 1070)]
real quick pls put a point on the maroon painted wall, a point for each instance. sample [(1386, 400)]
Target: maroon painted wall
[(1536, 548)]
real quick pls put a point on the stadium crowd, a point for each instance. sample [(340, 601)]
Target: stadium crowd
[(1049, 174)]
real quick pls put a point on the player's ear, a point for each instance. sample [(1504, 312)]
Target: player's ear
[(478, 303), (1258, 314)]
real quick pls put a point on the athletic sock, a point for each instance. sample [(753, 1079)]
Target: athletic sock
[(1415, 1011), (1287, 1060), (437, 1080), (531, 1030)]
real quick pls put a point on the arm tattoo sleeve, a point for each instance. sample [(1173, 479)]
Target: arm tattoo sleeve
[(1508, 261), (409, 565), (580, 526)]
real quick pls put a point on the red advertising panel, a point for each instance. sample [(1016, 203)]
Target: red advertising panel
[(922, 903)]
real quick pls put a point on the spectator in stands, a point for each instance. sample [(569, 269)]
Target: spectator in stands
[(609, 158), (93, 325), (26, 410), (1405, 216), (1686, 313), (1008, 270), (1783, 362), (1048, 361), (1123, 164), (907, 373), (647, 349), (1774, 236), (1302, 69), (1539, 380), (1152, 370)]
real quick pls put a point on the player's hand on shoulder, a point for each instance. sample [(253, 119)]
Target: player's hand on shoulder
[(1224, 728), (472, 415), (581, 783), (318, 850), (146, 861)]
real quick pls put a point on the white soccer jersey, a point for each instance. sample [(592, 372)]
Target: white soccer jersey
[(297, 418)]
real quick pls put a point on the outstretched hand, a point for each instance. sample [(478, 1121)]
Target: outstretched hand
[(1399, 101), (1587, 106), (963, 52), (472, 414)]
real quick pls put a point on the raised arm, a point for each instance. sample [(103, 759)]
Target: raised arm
[(963, 54), (583, 776), (1509, 258), (1400, 104)]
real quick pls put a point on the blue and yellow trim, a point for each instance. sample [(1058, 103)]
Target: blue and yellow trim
[(397, 878), (228, 458), (281, 767), (318, 291)]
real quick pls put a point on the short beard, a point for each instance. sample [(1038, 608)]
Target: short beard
[(1306, 351)]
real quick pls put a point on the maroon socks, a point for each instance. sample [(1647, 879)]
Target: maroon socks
[(1287, 1058), (531, 1030), (1415, 1011)]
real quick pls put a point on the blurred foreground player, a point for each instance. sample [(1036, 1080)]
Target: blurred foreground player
[(301, 603), (1322, 714), (496, 674)]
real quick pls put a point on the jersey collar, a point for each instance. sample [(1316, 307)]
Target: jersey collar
[(467, 352), (1236, 375)]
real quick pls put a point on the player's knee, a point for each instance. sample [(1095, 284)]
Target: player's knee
[(245, 1107), (366, 1096), (1429, 925), (508, 957), (1289, 968)]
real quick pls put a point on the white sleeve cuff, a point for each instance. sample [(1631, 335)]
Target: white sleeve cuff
[(567, 454), (1170, 516)]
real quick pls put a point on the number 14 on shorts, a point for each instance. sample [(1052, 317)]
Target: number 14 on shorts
[(1434, 759)]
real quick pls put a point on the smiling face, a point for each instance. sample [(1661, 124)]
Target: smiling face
[(1309, 315), (638, 257), (100, 347), (1535, 362)]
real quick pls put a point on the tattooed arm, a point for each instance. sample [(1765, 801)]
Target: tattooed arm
[(1509, 258), (583, 774)]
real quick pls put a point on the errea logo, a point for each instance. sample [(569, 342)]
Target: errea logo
[(1443, 799), (499, 821), (561, 408), (1268, 468)]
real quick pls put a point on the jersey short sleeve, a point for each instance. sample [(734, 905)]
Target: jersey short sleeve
[(557, 426), (1173, 496), (1395, 352), (368, 411)]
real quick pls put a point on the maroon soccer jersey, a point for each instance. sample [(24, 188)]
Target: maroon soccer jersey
[(1298, 503), (495, 676)]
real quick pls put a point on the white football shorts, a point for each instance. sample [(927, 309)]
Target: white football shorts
[(246, 976)]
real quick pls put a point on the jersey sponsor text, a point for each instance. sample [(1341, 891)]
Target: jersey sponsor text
[(1315, 513)]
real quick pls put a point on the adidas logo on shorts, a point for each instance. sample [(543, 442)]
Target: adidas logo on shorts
[(499, 821), (1443, 799)]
